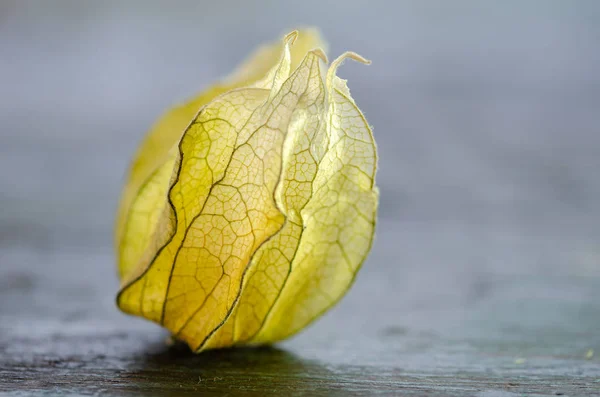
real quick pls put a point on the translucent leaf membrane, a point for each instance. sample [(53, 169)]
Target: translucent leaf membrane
[(254, 219), (160, 147)]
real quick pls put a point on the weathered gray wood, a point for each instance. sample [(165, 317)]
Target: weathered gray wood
[(133, 364), (60, 333)]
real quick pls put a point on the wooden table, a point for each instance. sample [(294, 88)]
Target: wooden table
[(486, 335)]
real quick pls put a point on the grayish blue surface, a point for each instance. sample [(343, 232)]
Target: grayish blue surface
[(488, 247)]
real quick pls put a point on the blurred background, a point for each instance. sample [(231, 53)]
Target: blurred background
[(487, 117)]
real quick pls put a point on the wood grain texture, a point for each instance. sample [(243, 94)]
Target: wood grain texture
[(64, 336), (262, 371)]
